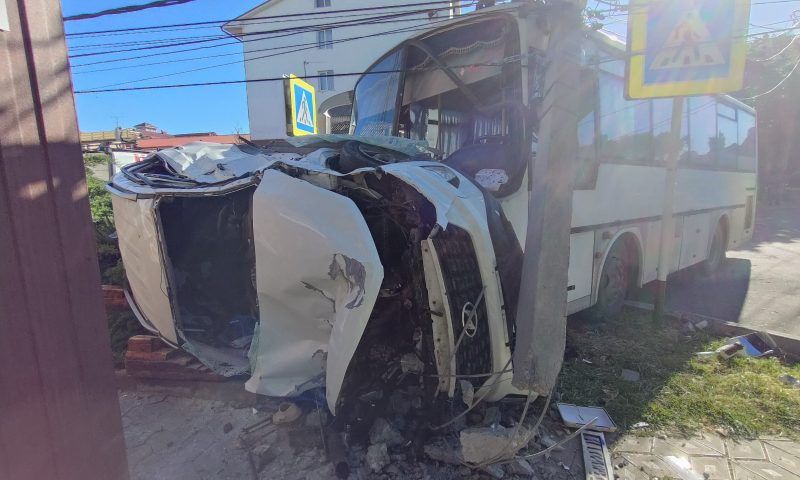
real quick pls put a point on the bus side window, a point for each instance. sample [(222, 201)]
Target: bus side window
[(702, 131), (625, 130), (662, 131), (727, 137), (747, 142), (586, 172)]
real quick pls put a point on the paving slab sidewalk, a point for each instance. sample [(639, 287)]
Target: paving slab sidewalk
[(708, 456)]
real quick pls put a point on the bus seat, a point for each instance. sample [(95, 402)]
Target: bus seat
[(490, 160)]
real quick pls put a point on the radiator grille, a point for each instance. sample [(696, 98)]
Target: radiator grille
[(463, 282)]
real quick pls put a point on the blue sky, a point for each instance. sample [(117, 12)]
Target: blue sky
[(222, 109)]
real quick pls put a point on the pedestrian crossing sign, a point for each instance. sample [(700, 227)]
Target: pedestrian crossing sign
[(692, 47), (301, 106)]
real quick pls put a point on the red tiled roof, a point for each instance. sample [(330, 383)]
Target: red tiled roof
[(159, 143)]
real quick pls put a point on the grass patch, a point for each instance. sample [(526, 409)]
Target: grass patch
[(677, 392)]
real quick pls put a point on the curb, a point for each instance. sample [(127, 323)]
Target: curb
[(788, 344)]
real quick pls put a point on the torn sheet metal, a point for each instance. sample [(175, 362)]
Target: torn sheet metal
[(207, 162), (139, 245), (412, 148), (318, 276)]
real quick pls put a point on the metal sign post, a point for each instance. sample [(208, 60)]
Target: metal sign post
[(668, 214), (675, 50)]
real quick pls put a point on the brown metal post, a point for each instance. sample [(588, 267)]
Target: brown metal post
[(541, 310), (59, 412)]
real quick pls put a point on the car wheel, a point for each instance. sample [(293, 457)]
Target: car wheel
[(614, 284), (355, 155), (716, 254)]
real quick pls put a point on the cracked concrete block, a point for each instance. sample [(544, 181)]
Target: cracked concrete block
[(377, 457), (383, 432), (479, 445)]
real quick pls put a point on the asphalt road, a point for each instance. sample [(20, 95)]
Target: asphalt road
[(759, 285)]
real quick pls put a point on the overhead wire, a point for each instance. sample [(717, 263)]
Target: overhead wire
[(302, 47), (289, 30), (269, 17), (778, 85), (126, 9)]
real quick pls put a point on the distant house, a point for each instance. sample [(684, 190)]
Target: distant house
[(323, 52), (153, 144)]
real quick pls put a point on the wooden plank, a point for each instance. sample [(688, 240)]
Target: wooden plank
[(56, 315)]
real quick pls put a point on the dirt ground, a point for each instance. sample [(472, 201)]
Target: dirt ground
[(177, 437)]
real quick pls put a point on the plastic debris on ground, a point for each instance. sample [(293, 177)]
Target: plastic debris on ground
[(576, 417)]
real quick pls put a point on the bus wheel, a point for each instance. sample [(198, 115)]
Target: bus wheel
[(614, 284), (716, 254)]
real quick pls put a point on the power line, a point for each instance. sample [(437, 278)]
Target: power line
[(288, 30), (274, 79), (289, 15), (794, 69), (127, 9), (204, 47), (308, 46)]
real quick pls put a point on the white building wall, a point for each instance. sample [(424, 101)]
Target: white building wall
[(265, 99)]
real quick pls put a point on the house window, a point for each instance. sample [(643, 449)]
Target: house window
[(325, 38), (322, 3), (325, 80)]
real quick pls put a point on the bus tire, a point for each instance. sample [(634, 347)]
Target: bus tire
[(615, 283), (716, 252)]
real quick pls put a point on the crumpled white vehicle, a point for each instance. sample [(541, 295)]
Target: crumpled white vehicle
[(352, 266)]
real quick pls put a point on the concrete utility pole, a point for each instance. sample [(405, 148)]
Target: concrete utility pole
[(541, 311), (59, 411)]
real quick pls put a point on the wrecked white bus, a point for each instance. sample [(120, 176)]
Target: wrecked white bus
[(391, 258)]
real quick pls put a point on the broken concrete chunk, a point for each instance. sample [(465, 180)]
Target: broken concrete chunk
[(467, 393), (790, 380), (377, 457), (261, 456), (384, 432), (520, 467), (496, 471), (630, 375), (488, 444), (441, 451), (410, 363)]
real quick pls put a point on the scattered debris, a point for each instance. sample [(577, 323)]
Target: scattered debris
[(495, 471), (751, 345), (226, 429), (630, 375), (384, 432), (576, 417), (490, 444), (467, 393), (337, 455), (701, 325), (596, 457), (790, 380), (442, 451), (639, 425), (317, 418), (286, 413), (261, 456), (377, 457), (520, 467)]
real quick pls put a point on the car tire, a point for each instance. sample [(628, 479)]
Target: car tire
[(716, 252), (615, 281), (355, 155)]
